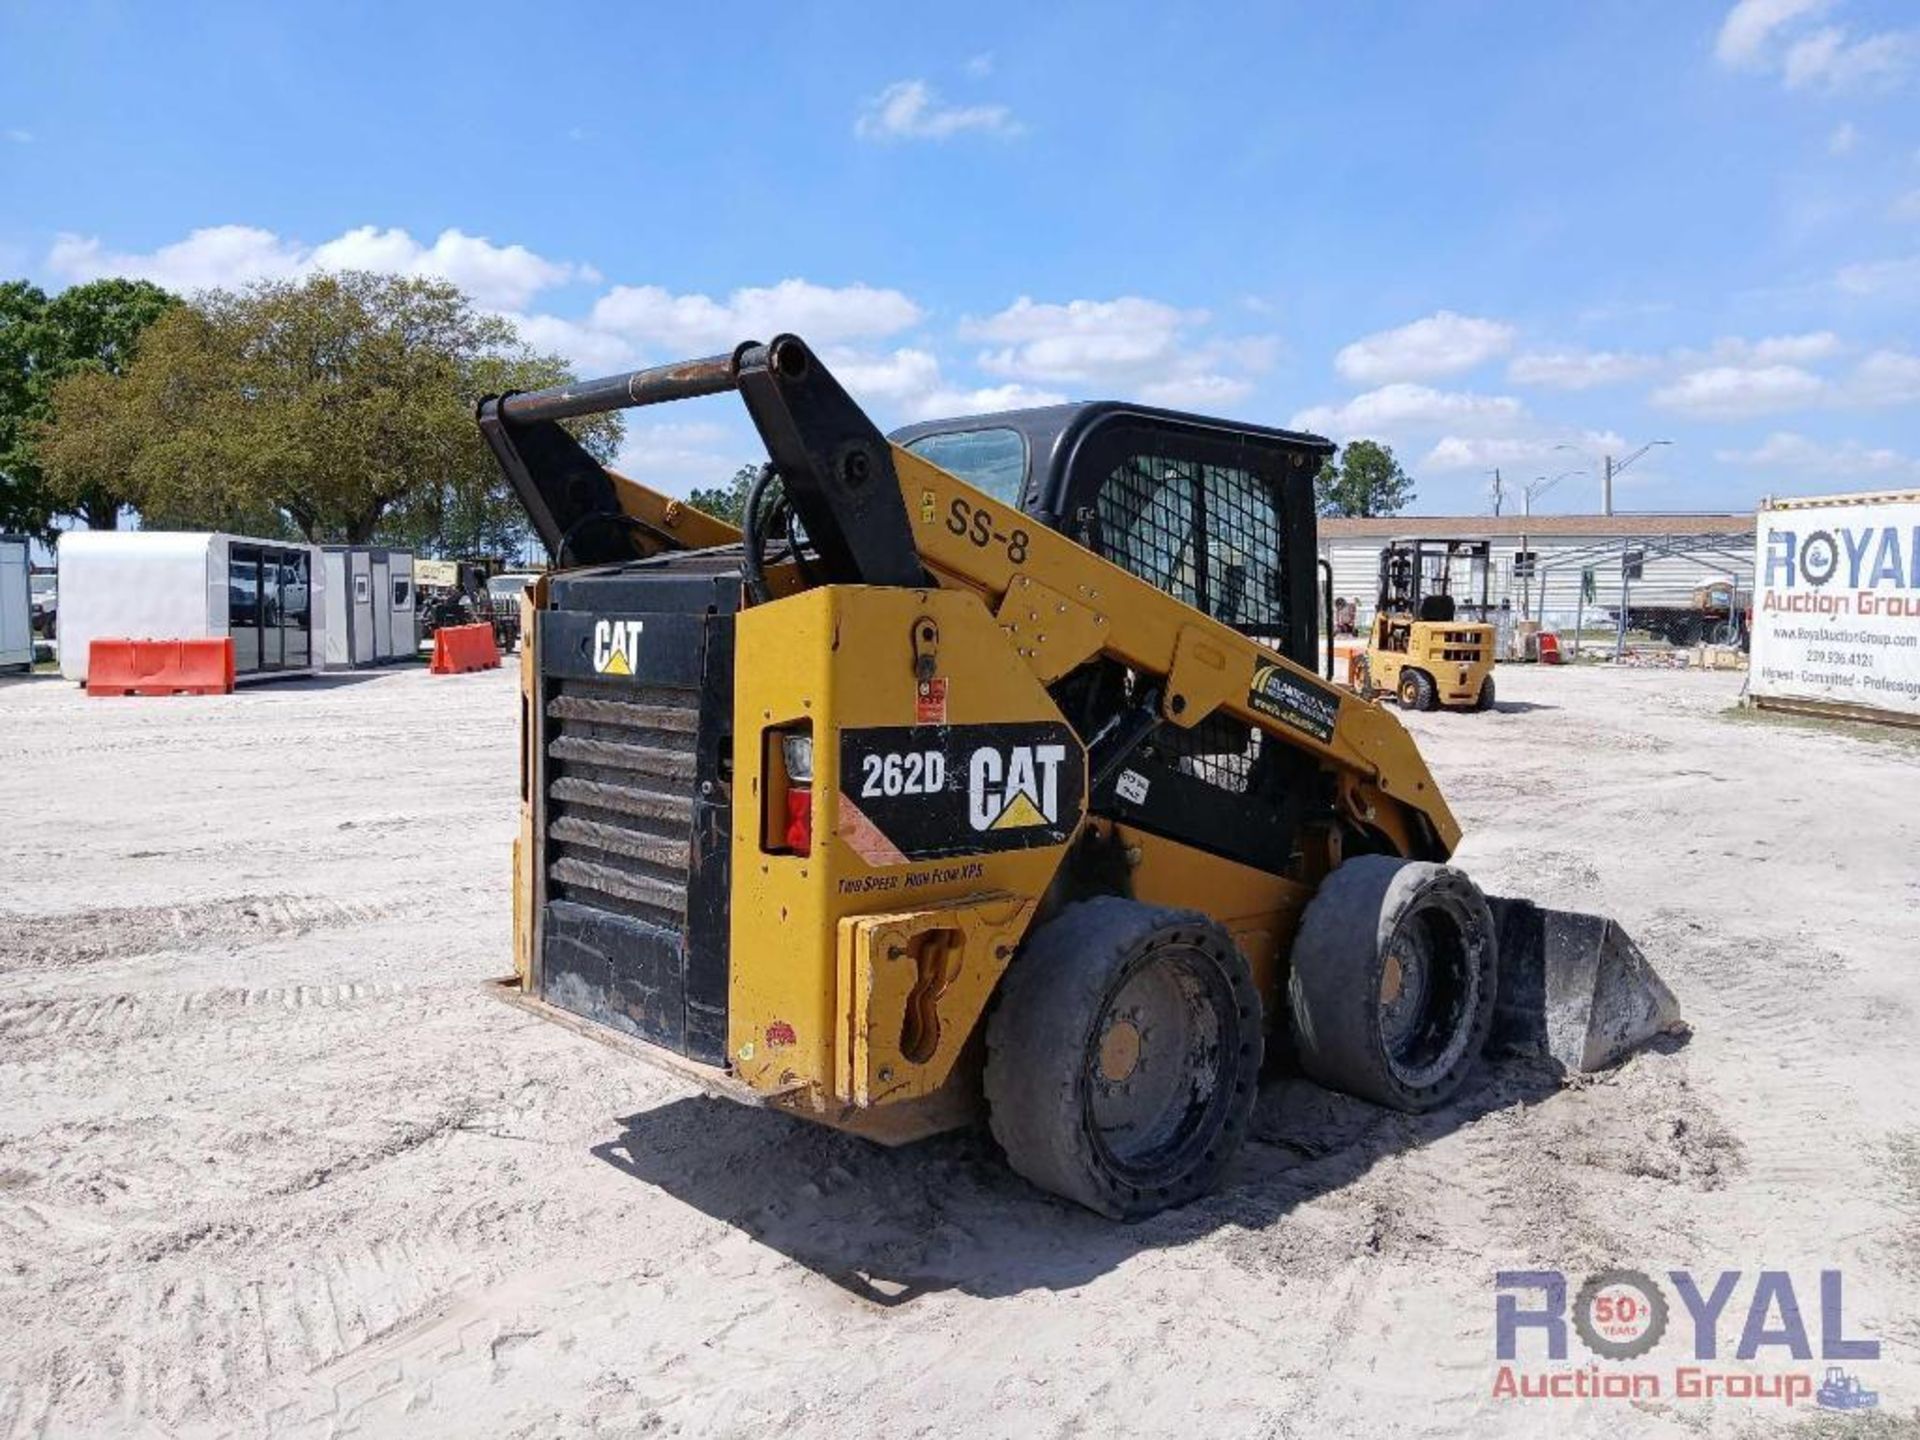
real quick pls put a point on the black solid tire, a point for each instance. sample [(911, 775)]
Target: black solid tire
[(1416, 690), (1044, 1032), (1340, 955), (1484, 700)]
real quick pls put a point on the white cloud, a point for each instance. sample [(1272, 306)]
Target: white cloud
[(17, 137), (911, 110), (942, 403), (1778, 349), (1401, 408), (1145, 349), (1907, 207), (588, 350), (682, 325), (504, 276), (1749, 27), (676, 456), (1546, 452), (1442, 344), (1579, 369), (496, 276), (901, 377), (979, 66), (1080, 340), (1204, 392), (216, 255), (908, 383), (1771, 35), (1886, 377), (1785, 450), (1731, 392), (1844, 138), (1884, 279), (1827, 59)]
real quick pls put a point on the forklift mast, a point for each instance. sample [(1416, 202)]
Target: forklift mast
[(1416, 577)]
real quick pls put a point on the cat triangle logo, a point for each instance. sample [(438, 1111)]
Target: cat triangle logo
[(616, 646), (1020, 814), (1014, 789)]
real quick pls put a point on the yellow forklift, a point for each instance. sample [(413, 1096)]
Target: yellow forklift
[(1426, 649), (985, 770)]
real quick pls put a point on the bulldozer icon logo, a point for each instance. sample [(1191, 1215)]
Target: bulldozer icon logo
[(1017, 790), (616, 646)]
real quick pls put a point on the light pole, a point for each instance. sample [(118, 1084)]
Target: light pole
[(1613, 468), (1539, 486)]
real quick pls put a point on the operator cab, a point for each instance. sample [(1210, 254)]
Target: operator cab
[(1215, 513)]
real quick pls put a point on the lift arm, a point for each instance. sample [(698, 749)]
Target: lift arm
[(879, 515), (835, 467)]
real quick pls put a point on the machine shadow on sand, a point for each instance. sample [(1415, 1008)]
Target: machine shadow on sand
[(892, 1225)]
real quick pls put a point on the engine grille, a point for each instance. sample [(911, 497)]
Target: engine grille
[(620, 780)]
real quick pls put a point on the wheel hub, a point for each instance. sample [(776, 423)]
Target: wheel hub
[(1404, 981), (1151, 1069), (1120, 1050)]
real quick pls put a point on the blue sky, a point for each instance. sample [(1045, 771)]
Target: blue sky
[(1492, 234)]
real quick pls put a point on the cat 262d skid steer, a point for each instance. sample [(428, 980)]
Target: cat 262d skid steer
[(990, 766)]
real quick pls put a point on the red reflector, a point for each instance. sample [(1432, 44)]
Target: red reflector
[(800, 820)]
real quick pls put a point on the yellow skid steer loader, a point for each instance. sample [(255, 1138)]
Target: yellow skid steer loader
[(990, 766)]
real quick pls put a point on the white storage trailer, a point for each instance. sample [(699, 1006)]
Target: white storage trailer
[(189, 585), (16, 603), (366, 606)]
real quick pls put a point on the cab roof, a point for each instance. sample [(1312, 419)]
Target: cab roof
[(1053, 433)]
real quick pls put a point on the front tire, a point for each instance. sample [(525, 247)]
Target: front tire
[(1123, 1056), (1394, 972)]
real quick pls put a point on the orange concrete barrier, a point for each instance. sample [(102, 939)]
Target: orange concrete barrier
[(460, 648), (1549, 648), (160, 667)]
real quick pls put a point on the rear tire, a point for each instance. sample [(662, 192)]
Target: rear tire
[(1394, 972), (1360, 677), (1484, 700), (1416, 690), (1123, 1056)]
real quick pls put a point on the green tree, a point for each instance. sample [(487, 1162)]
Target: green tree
[(88, 330), (729, 501), (1365, 479), (338, 408)]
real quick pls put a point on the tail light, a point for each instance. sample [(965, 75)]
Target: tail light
[(796, 759), (800, 819)]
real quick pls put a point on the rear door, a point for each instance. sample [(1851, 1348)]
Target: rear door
[(1221, 521)]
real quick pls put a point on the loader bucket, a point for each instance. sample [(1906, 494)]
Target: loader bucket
[(1575, 989)]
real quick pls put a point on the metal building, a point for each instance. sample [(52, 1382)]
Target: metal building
[(1560, 569)]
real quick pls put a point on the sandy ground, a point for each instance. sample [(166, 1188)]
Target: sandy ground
[(270, 1161)]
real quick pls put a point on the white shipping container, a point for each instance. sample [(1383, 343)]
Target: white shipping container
[(189, 585), (1836, 603), (16, 603), (366, 607)]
